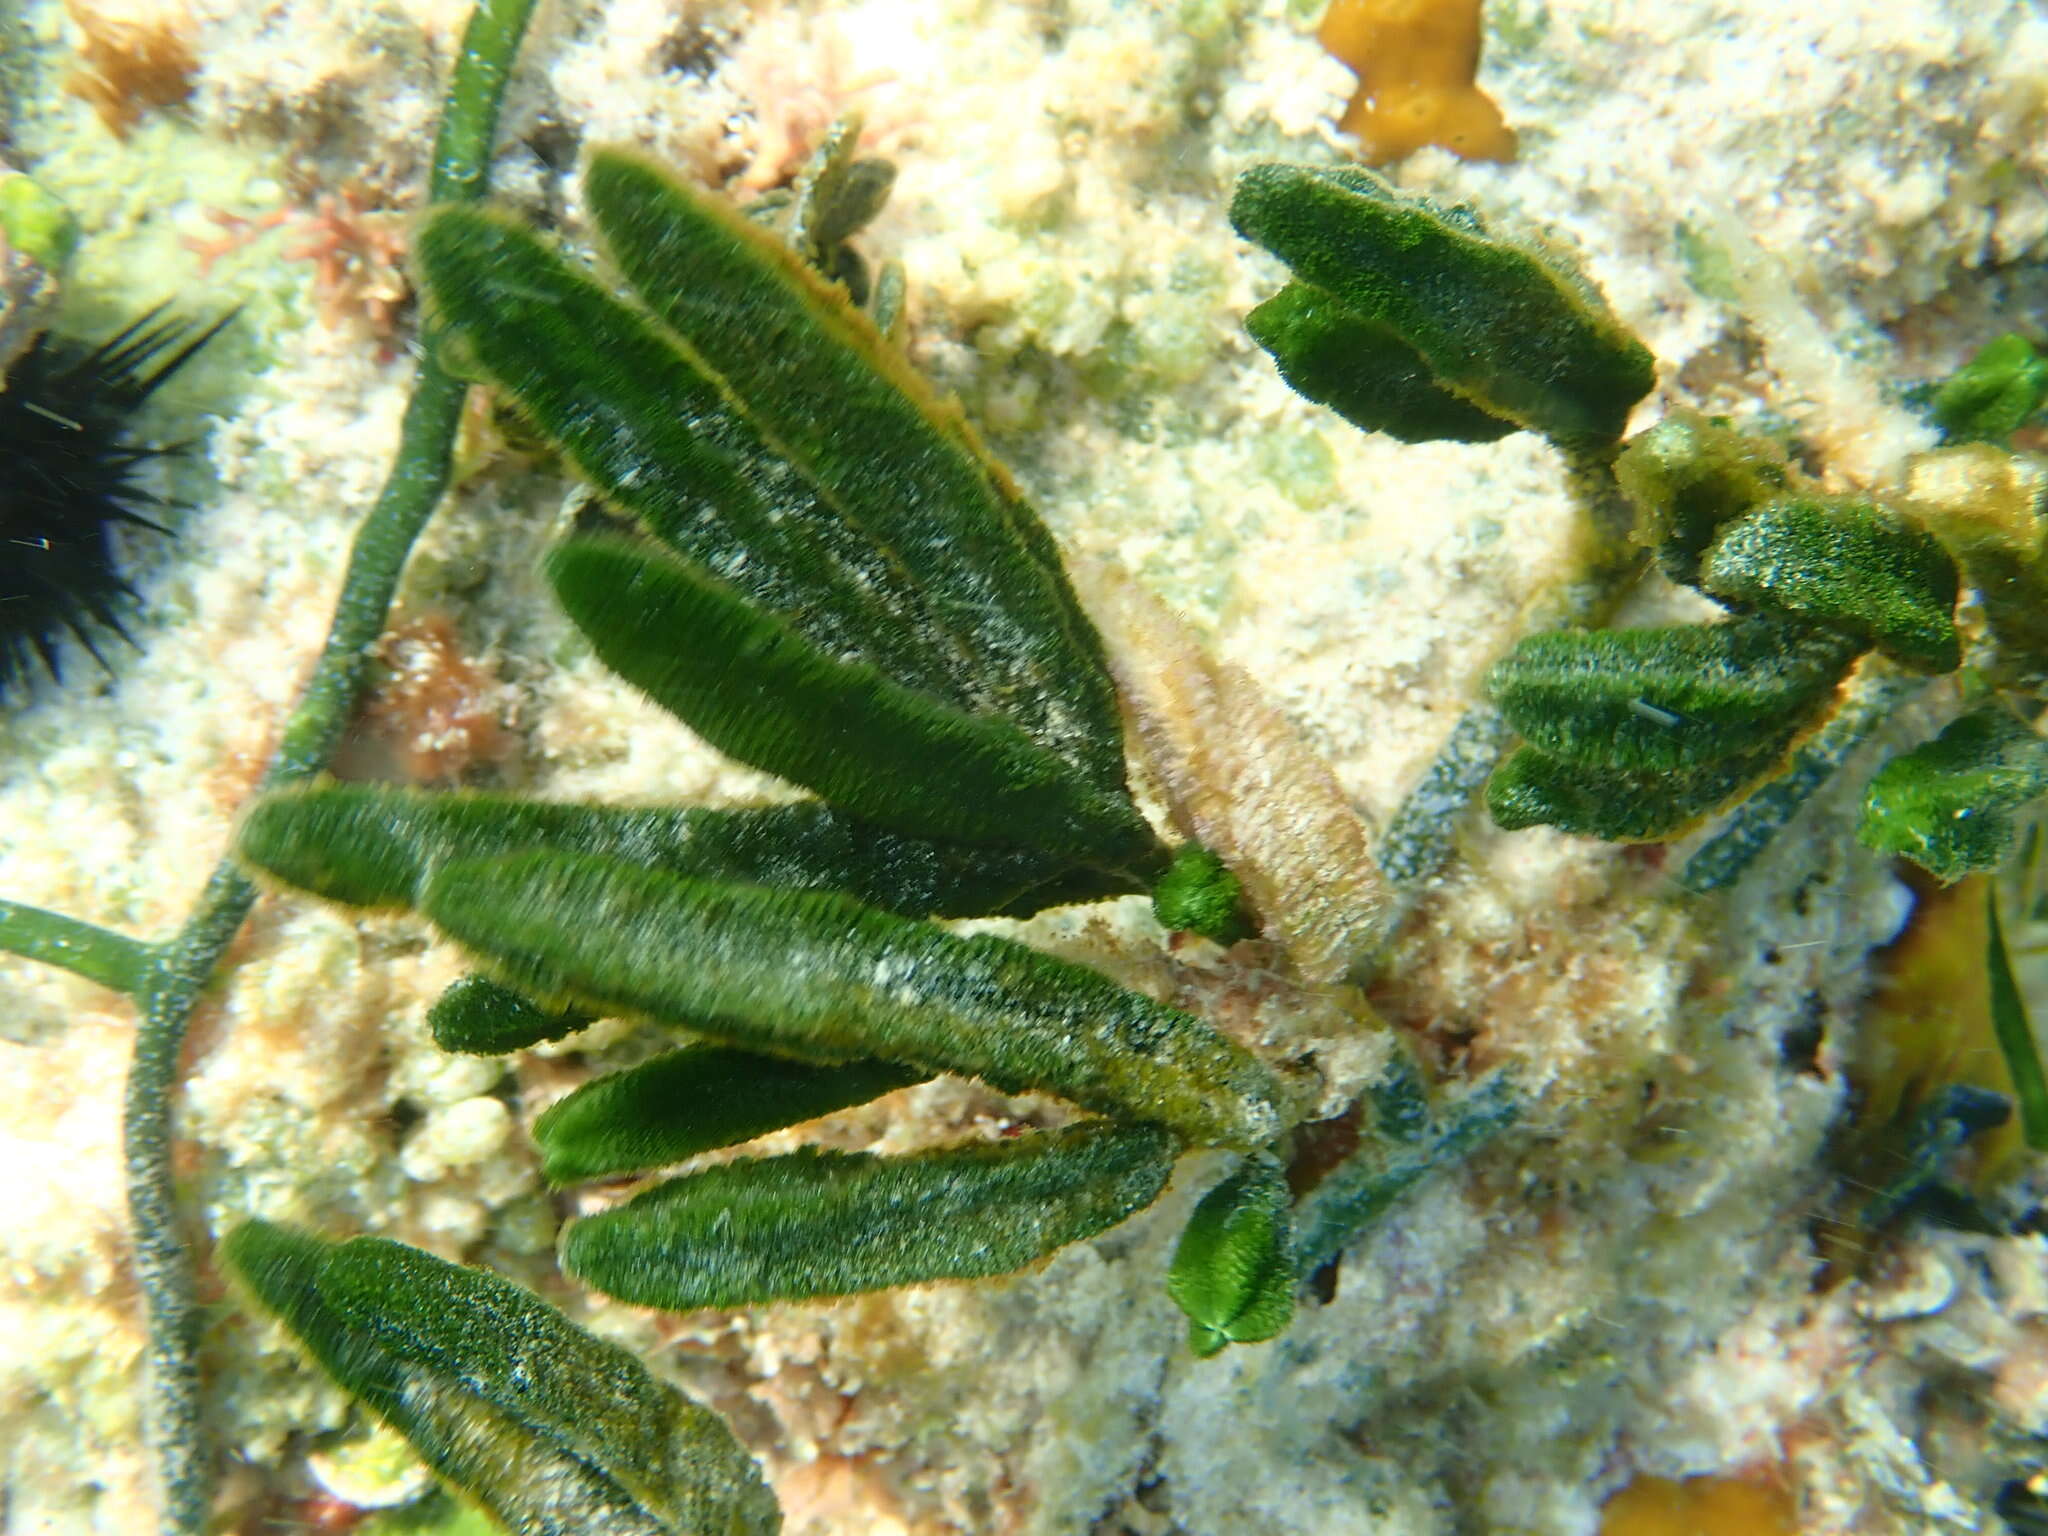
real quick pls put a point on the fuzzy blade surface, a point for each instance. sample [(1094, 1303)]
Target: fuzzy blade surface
[(838, 1223), (695, 1100), (845, 410), (1660, 700), (757, 689), (373, 845), (1233, 1271), (1846, 563), (1517, 334), (824, 979), (1948, 804)]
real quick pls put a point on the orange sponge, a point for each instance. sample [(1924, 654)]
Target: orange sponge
[(1415, 61)]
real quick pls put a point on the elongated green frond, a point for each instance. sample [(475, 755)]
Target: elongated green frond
[(692, 1100), (825, 979), (1654, 700), (756, 688), (1688, 476), (1514, 332), (553, 1431), (478, 1017), (1947, 805), (838, 1223), (1532, 788), (1233, 1272), (1851, 565), (844, 408), (1363, 371), (372, 845)]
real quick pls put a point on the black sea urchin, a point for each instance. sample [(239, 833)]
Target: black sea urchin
[(68, 477)]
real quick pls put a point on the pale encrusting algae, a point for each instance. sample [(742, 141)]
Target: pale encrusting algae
[(1796, 212)]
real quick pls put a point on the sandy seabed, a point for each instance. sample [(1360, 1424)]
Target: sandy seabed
[(1797, 210)]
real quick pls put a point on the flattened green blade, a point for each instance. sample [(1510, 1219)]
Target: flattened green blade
[(1363, 371), (838, 1223), (1850, 564), (824, 979), (756, 688), (553, 1431), (372, 845), (1655, 700), (847, 411), (1994, 394), (1532, 788), (1947, 805), (658, 437), (1517, 334), (692, 1100), (1233, 1270)]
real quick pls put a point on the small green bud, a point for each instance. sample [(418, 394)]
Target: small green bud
[(1199, 894), (477, 1016), (1994, 394), (1689, 475), (1233, 1273)]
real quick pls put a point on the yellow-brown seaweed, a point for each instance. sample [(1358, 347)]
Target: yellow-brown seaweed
[(130, 59)]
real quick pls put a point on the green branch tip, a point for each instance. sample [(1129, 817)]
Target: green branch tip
[(1657, 700), (863, 742), (696, 1100), (1636, 734), (1848, 564), (373, 845), (891, 624)]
